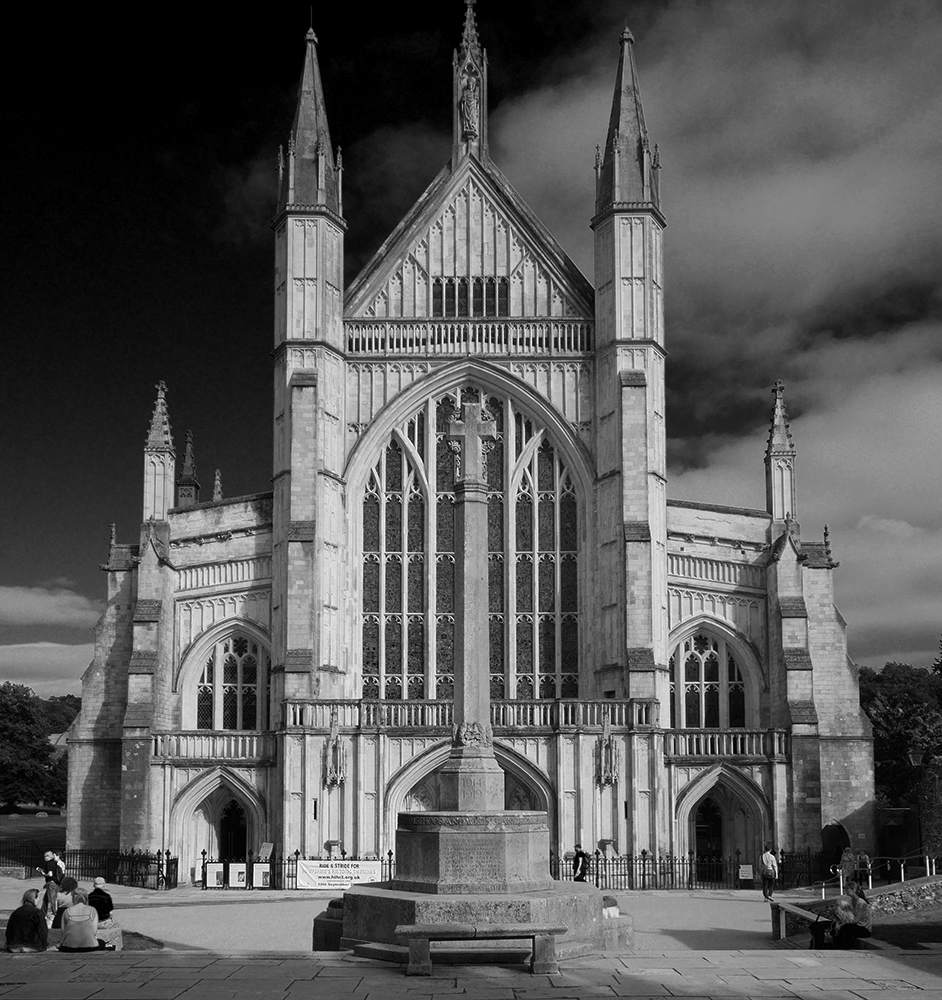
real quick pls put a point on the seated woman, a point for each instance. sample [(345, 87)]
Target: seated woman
[(80, 925), (26, 928), (852, 921)]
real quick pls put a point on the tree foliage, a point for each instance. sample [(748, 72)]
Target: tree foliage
[(904, 704), (30, 769)]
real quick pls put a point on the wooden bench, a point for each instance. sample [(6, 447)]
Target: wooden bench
[(420, 936)]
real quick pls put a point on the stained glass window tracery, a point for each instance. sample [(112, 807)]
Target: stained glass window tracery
[(233, 687), (703, 694), (532, 540)]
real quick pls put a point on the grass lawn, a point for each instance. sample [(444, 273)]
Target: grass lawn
[(49, 830)]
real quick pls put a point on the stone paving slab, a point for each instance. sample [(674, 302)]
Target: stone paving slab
[(787, 974)]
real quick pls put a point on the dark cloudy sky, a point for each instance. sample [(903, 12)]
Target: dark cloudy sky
[(801, 150)]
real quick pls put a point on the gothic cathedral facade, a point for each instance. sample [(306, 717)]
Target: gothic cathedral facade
[(664, 675)]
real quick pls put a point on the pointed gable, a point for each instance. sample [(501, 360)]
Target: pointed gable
[(470, 248)]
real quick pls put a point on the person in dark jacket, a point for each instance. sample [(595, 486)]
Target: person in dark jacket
[(101, 899), (26, 927), (580, 864)]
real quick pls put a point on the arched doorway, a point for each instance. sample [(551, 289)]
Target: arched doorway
[(834, 839), (708, 830), (233, 832)]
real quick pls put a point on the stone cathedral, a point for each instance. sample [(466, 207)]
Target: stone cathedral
[(280, 667)]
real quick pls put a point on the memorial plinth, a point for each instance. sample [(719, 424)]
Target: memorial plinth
[(451, 852)]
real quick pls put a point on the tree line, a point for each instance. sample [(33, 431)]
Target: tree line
[(31, 769)]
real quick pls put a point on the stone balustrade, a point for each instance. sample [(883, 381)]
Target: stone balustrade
[(214, 745), (543, 337), (510, 717), (710, 743)]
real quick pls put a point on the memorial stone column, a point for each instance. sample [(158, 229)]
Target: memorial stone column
[(471, 778)]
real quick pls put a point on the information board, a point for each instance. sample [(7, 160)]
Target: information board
[(215, 879), (745, 873), (237, 875), (264, 852), (261, 876), (337, 874)]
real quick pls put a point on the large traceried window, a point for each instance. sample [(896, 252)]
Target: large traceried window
[(232, 692), (707, 687), (409, 572)]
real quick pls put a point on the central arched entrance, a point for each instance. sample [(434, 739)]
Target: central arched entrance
[(708, 830)]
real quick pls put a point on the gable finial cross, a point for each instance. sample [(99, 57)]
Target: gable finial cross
[(471, 432)]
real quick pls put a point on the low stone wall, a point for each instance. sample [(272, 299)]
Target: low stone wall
[(791, 919)]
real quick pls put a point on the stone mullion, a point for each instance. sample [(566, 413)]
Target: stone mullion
[(558, 613), (404, 574), (431, 553), (381, 606), (510, 550), (535, 572), (218, 688)]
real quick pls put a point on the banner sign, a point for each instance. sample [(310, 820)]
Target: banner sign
[(337, 874)]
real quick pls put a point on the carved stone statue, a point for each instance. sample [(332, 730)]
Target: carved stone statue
[(469, 107)]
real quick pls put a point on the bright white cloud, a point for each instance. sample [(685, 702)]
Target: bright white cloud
[(47, 667), (47, 606)]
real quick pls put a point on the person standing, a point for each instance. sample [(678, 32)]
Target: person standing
[(768, 869), (26, 928), (53, 871), (580, 865)]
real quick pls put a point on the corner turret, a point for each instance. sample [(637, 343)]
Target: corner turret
[(469, 110), (159, 461), (781, 494)]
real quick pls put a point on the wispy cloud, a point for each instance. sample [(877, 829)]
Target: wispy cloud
[(52, 606)]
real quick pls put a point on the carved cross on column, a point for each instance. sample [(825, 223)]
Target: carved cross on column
[(471, 432)]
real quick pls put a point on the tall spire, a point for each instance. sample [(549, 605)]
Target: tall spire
[(627, 168), (470, 93), (780, 454), (158, 435), (188, 487), (308, 173)]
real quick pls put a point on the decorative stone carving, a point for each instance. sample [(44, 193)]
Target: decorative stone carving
[(607, 756), (335, 756), (472, 734)]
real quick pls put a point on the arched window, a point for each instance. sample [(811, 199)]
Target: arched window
[(409, 571), (707, 687), (232, 692)]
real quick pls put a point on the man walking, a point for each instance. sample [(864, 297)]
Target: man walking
[(768, 869), (580, 864)]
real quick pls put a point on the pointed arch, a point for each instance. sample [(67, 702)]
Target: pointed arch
[(190, 668), (193, 817), (491, 378), (416, 770), (753, 671), (741, 789), (402, 543)]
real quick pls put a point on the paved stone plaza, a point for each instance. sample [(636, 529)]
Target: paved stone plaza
[(775, 973)]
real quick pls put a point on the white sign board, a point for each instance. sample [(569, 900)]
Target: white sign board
[(237, 875), (261, 876), (264, 852), (337, 874), (214, 875), (745, 873)]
